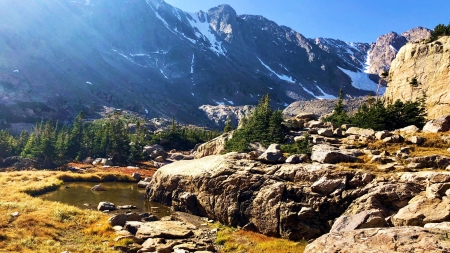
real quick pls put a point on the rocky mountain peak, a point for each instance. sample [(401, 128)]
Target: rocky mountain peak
[(384, 50), (222, 19), (417, 34)]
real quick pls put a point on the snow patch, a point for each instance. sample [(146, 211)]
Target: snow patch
[(367, 63), (393, 48), (16, 71), (176, 13), (128, 58), (282, 77), (308, 91), (140, 55), (192, 94), (229, 101), (89, 83), (219, 103), (325, 95), (361, 80), (163, 73), (192, 64), (146, 111), (202, 30)]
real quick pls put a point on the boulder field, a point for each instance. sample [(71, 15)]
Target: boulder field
[(346, 193)]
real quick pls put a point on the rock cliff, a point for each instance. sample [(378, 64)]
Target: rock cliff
[(429, 63)]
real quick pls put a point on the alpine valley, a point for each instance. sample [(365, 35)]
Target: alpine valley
[(58, 57)]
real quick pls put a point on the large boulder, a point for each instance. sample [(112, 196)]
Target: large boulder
[(423, 211), (387, 197), (165, 230), (213, 147), (437, 190), (149, 149), (297, 158), (273, 154), (430, 161), (441, 124), (381, 240), (359, 131), (265, 205), (106, 206), (266, 197), (325, 153), (373, 218), (325, 185)]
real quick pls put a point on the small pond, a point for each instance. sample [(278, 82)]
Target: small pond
[(79, 193)]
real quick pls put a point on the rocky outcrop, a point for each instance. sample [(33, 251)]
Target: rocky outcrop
[(273, 154), (213, 147), (429, 64), (422, 212), (179, 232), (220, 113), (417, 34), (291, 201), (320, 107), (441, 124), (381, 240), (324, 153)]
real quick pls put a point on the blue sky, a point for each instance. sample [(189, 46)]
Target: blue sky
[(348, 20)]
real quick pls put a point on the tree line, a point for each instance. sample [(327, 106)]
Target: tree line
[(109, 137), (440, 30), (379, 114)]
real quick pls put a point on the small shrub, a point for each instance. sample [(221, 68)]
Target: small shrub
[(299, 147)]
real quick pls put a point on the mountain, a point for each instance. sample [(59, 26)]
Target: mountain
[(59, 57), (384, 50)]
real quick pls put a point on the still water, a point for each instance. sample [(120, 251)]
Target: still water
[(79, 193)]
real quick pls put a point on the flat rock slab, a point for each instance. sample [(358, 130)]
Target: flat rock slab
[(380, 240), (166, 230)]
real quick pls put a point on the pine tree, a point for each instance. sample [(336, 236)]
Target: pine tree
[(31, 149), (228, 127), (76, 137), (263, 125), (339, 115)]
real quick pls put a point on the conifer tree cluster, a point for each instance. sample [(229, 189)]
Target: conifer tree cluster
[(381, 115), (111, 137), (264, 125), (440, 30)]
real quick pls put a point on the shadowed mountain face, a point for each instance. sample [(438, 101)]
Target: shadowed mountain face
[(58, 57)]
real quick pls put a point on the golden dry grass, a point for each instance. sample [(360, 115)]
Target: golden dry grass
[(45, 226), (239, 241)]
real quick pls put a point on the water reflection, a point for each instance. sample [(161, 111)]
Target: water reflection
[(79, 193)]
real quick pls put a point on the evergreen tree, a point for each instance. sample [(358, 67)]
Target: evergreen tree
[(76, 137), (264, 126), (228, 127), (31, 149), (440, 30), (339, 115)]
